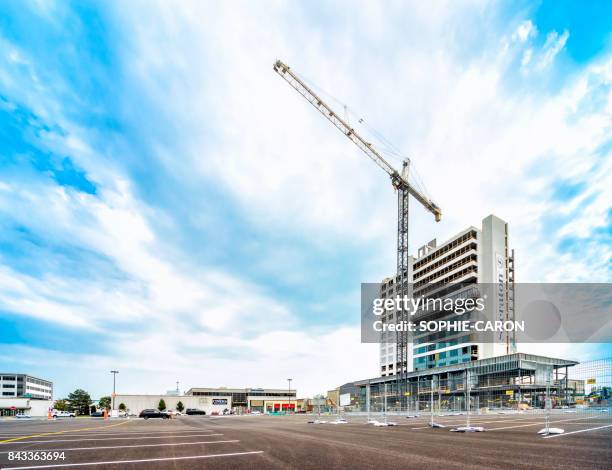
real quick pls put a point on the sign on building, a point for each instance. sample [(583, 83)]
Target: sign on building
[(345, 399)]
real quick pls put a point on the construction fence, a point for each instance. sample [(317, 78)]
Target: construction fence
[(575, 397)]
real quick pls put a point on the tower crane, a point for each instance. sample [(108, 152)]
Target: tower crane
[(399, 182)]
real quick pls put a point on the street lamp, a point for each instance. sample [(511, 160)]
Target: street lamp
[(289, 406), (114, 372)]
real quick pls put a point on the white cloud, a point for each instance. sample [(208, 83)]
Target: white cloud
[(525, 31), (553, 45)]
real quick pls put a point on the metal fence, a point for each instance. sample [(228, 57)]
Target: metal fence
[(551, 399)]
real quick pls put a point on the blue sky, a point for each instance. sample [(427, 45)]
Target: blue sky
[(171, 209)]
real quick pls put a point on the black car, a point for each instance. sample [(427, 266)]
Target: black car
[(146, 414), (194, 411)]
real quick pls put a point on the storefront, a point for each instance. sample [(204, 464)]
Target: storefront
[(278, 406), (12, 411), (24, 406)]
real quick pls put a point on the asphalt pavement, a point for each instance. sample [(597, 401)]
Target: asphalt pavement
[(253, 442)]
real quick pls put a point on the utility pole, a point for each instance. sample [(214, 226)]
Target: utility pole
[(177, 388), (114, 372), (289, 406)]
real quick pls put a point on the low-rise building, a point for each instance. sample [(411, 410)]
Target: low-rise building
[(136, 403), (25, 406), (216, 400), (265, 400), (24, 394)]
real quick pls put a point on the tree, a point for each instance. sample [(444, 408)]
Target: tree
[(80, 401), (162, 405), (60, 405), (180, 407), (122, 406), (105, 403)]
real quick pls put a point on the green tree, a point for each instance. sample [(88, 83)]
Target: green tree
[(105, 403), (180, 407), (122, 406), (60, 405), (80, 401), (162, 405)]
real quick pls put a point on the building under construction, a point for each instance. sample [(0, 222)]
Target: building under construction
[(514, 381)]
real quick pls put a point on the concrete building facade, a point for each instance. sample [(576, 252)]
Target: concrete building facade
[(268, 400), (473, 256), (26, 386), (136, 403), (25, 406), (216, 400)]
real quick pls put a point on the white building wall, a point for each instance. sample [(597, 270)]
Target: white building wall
[(137, 403), (31, 407)]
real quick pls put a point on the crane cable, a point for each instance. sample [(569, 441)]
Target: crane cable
[(388, 149)]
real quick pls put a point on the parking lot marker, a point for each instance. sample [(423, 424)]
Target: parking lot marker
[(576, 432)]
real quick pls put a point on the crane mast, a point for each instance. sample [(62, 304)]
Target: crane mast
[(404, 190)]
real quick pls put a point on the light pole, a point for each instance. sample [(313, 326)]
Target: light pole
[(114, 372), (289, 406)]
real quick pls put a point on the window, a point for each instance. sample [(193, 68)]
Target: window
[(8, 385)]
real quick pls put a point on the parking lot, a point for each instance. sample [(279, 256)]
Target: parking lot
[(510, 441)]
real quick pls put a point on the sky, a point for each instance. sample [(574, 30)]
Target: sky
[(170, 208)]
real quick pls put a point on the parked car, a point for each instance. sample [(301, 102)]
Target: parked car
[(97, 414), (175, 412), (63, 414), (194, 411), (22, 416), (146, 414)]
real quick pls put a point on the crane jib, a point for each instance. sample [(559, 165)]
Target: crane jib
[(366, 147)]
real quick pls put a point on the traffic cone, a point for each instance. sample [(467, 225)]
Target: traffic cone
[(49, 415), (105, 414)]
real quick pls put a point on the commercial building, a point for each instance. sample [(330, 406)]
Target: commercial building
[(24, 394), (26, 386), (475, 256), (136, 403), (25, 406), (268, 400), (216, 400)]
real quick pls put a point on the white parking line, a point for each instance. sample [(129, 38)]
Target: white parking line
[(473, 421), (104, 438), (127, 433), (576, 432), (127, 447), (540, 423), (119, 462)]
